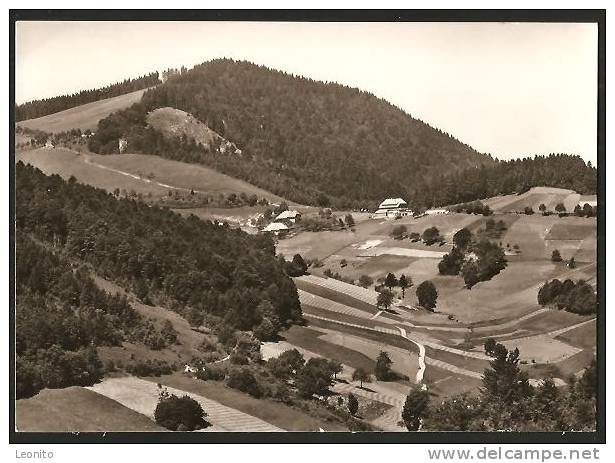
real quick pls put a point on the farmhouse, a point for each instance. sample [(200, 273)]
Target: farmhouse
[(277, 228), (288, 216), (391, 208)]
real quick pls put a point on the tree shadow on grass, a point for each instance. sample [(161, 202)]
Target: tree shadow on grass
[(364, 388)]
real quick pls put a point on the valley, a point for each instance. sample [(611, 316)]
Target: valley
[(217, 301)]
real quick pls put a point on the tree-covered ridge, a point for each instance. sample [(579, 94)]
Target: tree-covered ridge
[(39, 108), (193, 266), (61, 316), (320, 138), (326, 144), (507, 177)]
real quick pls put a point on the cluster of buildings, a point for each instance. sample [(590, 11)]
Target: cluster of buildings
[(282, 224)]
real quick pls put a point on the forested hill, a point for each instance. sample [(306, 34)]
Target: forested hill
[(39, 108), (507, 177), (310, 141), (198, 268)]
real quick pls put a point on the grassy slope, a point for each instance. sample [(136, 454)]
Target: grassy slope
[(77, 409), (275, 413), (87, 169), (82, 117), (182, 175), (181, 353)]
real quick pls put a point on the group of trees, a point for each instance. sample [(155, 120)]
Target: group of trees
[(427, 295), (39, 108), (508, 402), (474, 207), (62, 316), (391, 281), (579, 297), (196, 267), (490, 258), (431, 236), (586, 211)]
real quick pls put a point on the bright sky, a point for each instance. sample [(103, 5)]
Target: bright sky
[(505, 88)]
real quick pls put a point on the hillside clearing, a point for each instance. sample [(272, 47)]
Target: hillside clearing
[(82, 117), (76, 409)]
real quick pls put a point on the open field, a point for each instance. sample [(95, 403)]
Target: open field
[(82, 117), (536, 196), (76, 409), (181, 174), (275, 413), (144, 174), (66, 163), (336, 296), (583, 337), (142, 396), (504, 307), (313, 340), (542, 349)]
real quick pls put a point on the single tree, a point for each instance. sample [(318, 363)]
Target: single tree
[(404, 282), (383, 366), (490, 346), (504, 381), (366, 281), (556, 256), (462, 238), (336, 367), (353, 404), (390, 281), (528, 210), (431, 235), (578, 210), (362, 376), (572, 263), (427, 295), (349, 220), (293, 358), (399, 232), (300, 264), (416, 408), (542, 208), (384, 299), (315, 377), (560, 208), (179, 413)]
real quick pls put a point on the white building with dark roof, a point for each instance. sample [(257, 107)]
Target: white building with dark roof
[(277, 228), (291, 216), (391, 208)]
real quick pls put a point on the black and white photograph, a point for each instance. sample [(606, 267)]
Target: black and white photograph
[(378, 227)]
